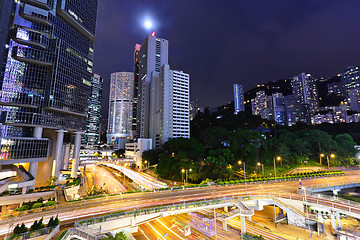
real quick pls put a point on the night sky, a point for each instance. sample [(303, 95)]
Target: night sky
[(221, 42)]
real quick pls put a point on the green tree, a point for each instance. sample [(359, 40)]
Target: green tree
[(191, 147), (218, 164)]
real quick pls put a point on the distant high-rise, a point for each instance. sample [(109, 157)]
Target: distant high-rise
[(238, 98), (120, 108), (92, 133), (305, 90), (350, 79), (169, 105), (46, 54), (152, 55)]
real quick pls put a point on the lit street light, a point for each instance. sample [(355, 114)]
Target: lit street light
[(279, 159), (321, 156), (262, 166), (239, 162), (327, 158), (186, 174), (146, 162)]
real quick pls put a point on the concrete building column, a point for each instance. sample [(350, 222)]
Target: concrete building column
[(75, 163), (38, 132), (243, 226), (66, 156), (333, 220), (58, 151), (34, 165)]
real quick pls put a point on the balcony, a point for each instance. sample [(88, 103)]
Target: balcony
[(18, 118), (30, 37), (44, 4), (20, 149), (33, 56), (32, 14)]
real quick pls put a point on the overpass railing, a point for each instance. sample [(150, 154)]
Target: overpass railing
[(158, 209), (317, 186)]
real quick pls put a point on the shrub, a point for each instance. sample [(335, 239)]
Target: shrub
[(24, 207), (50, 203), (37, 205)]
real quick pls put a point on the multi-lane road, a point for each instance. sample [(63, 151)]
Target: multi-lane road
[(70, 213)]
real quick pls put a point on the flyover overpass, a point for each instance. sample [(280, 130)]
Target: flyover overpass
[(245, 206)]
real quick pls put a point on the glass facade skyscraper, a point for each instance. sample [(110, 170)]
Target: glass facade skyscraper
[(120, 108), (238, 98), (47, 60), (92, 134)]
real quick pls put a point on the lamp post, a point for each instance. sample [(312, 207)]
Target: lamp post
[(262, 166), (321, 156), (239, 162), (146, 162), (328, 162), (277, 158), (186, 173)]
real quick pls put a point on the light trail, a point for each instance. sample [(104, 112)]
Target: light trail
[(136, 177), (156, 231), (169, 229)]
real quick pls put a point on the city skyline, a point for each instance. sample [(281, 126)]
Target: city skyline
[(288, 39)]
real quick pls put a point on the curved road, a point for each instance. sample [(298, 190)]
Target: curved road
[(80, 210)]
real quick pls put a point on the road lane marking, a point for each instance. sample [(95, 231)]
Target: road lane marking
[(169, 229)]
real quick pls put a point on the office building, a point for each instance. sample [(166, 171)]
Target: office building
[(46, 53), (120, 109), (238, 98), (350, 80), (152, 55), (288, 110), (169, 105), (304, 88), (261, 105), (135, 129), (92, 133)]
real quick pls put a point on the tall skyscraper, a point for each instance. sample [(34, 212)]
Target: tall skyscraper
[(350, 79), (238, 98), (152, 55), (304, 88), (120, 108), (46, 69), (169, 105), (92, 133), (135, 129)]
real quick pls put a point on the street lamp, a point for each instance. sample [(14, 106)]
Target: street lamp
[(279, 159), (186, 173), (262, 165), (239, 162), (327, 157), (321, 156), (146, 162)]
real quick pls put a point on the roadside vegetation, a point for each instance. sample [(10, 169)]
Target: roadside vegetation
[(220, 140)]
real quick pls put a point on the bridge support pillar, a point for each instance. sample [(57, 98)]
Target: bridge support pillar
[(225, 225), (335, 220), (243, 227), (226, 209), (338, 222)]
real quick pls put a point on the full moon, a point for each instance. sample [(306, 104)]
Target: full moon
[(148, 24)]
